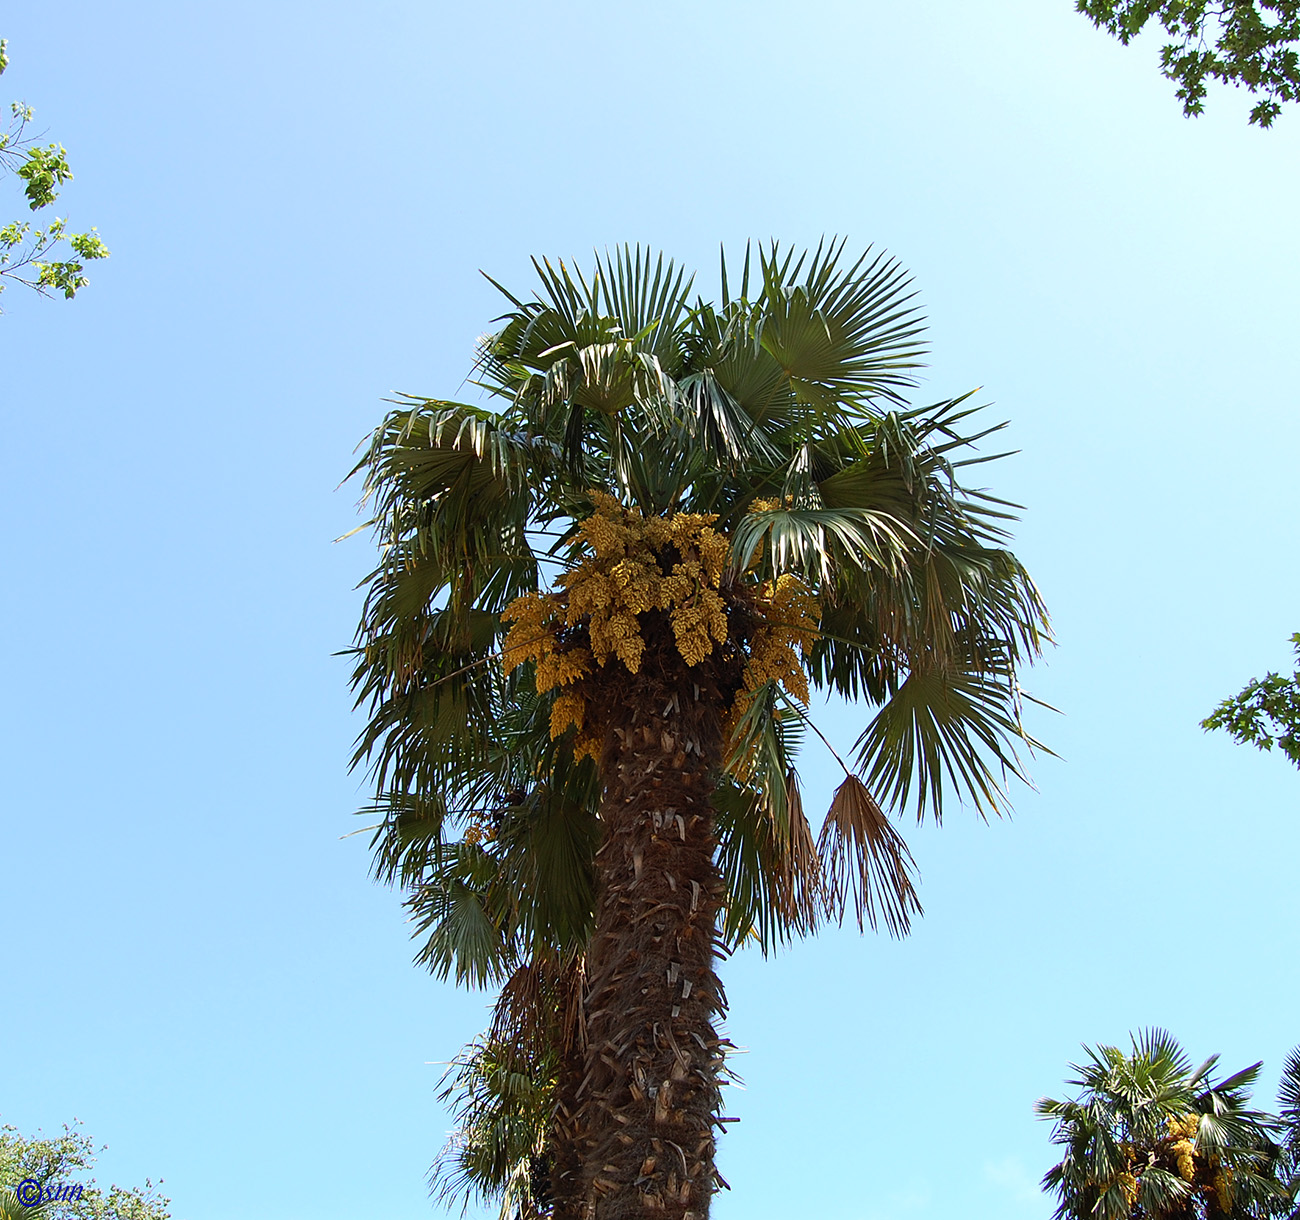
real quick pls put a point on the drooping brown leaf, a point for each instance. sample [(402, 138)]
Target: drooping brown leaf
[(540, 1002), (519, 1017), (798, 888), (863, 855)]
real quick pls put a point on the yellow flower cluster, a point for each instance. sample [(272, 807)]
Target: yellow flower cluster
[(535, 619), (480, 830), (788, 616), (620, 577), (568, 711), (1183, 1131), (1128, 1183)]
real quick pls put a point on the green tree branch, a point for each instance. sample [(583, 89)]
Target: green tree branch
[(39, 256), (1238, 42), (1266, 712)]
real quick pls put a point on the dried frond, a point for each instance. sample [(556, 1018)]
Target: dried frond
[(519, 1017), (863, 855), (798, 889)]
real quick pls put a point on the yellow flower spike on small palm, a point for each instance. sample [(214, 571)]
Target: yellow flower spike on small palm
[(1182, 1150), (1223, 1189)]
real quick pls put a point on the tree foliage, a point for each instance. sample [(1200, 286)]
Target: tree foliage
[(1265, 713), (50, 258), (62, 1161), (1151, 1137), (1249, 43)]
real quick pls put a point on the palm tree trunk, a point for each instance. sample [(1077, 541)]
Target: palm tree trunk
[(649, 1098), (566, 1161)]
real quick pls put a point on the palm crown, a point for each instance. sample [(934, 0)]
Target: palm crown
[(728, 497)]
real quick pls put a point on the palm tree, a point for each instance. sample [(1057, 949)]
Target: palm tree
[(587, 651), (1151, 1137)]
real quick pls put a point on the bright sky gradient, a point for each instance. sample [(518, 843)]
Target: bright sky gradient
[(298, 198)]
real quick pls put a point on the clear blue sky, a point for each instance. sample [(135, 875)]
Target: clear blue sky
[(298, 198)]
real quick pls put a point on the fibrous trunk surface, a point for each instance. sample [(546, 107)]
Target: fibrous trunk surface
[(647, 1105), (566, 1191)]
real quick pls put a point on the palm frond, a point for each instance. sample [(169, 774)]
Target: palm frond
[(545, 850), (819, 544), (451, 908), (845, 336), (945, 730), (771, 874), (1288, 1100), (501, 1101), (766, 854)]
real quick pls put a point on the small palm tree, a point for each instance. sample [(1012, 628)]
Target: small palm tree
[(12, 1209), (587, 656), (1288, 1097), (1149, 1136)]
